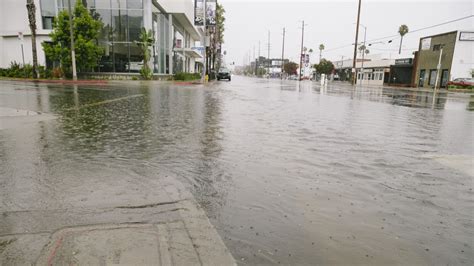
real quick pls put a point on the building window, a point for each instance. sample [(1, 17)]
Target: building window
[(47, 23), (444, 78), (48, 12), (421, 79), (436, 47), (432, 79)]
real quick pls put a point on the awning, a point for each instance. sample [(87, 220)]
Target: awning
[(187, 25), (188, 52)]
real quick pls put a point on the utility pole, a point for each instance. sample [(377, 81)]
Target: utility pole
[(268, 59), (301, 54), (282, 54), (354, 72), (363, 54), (73, 52), (203, 40), (438, 69)]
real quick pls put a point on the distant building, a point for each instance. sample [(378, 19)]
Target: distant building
[(171, 21), (402, 73), (373, 70), (457, 59), (272, 66)]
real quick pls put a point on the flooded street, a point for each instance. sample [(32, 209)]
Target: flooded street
[(288, 173)]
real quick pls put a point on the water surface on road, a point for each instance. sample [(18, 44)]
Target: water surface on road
[(288, 172)]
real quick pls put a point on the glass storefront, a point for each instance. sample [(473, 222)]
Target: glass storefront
[(122, 21)]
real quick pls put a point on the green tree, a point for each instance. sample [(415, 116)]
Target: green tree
[(218, 38), (324, 67), (402, 30), (146, 41), (85, 30), (290, 68)]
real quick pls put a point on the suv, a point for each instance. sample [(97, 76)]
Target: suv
[(223, 73)]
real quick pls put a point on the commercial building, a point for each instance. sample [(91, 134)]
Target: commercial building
[(454, 49), (402, 73), (372, 70), (171, 21), (272, 66)]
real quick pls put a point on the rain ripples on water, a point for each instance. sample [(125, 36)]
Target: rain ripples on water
[(288, 173)]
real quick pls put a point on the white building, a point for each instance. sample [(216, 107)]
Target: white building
[(172, 22), (373, 70)]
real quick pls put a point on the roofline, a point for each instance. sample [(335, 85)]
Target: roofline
[(440, 34)]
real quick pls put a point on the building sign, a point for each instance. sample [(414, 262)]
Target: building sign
[(426, 44), (466, 36), (211, 9), (305, 58), (404, 61), (199, 12)]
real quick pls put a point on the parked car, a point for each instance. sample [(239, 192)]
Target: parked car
[(223, 73), (462, 82)]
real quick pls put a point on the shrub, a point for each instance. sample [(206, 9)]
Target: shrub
[(183, 76), (57, 72), (17, 71)]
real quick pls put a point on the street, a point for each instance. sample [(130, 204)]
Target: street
[(287, 172)]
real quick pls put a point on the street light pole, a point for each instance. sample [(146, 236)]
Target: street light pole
[(73, 52), (354, 72), (282, 54), (438, 68), (363, 53), (203, 38), (301, 54), (268, 59)]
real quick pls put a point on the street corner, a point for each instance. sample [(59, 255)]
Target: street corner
[(103, 245), (133, 244)]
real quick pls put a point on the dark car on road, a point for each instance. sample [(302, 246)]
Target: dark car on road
[(223, 73)]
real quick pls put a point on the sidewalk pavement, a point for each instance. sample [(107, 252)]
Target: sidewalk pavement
[(173, 231)]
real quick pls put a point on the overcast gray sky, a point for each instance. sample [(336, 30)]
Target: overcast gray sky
[(332, 23)]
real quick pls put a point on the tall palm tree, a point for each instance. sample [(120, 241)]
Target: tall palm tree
[(402, 31), (30, 6), (321, 48)]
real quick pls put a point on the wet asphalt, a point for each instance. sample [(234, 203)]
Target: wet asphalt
[(289, 173)]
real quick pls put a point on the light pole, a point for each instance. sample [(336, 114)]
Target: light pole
[(73, 53), (363, 52), (203, 40), (269, 62), (438, 68), (354, 72), (282, 55), (301, 54)]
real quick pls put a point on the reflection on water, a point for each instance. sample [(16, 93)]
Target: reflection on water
[(288, 172)]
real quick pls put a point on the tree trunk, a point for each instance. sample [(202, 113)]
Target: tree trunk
[(400, 49), (30, 5)]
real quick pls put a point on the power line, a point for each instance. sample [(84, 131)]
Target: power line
[(396, 36)]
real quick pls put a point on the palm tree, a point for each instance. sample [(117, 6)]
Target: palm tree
[(30, 6), (146, 41), (321, 48), (402, 30)]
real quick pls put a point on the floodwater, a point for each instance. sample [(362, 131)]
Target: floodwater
[(288, 172)]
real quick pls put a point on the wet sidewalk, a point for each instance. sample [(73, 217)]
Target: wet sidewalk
[(173, 230)]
